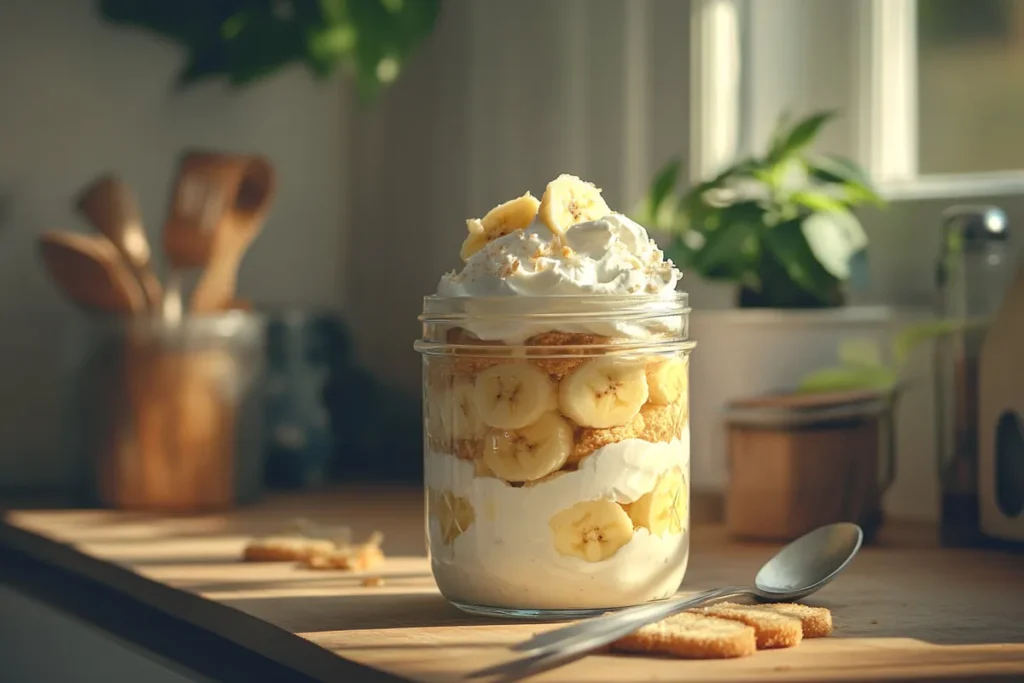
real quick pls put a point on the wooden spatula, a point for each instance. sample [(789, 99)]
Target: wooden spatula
[(220, 202), (110, 206), (91, 272)]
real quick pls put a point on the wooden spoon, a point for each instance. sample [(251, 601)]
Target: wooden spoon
[(111, 207), (220, 202), (91, 272)]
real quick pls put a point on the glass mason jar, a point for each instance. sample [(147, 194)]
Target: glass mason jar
[(170, 415), (557, 456)]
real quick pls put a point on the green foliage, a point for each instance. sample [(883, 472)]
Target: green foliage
[(861, 362), (246, 40), (779, 225)]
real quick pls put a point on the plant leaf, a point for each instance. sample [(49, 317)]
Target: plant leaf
[(663, 183), (835, 169), (653, 210), (864, 352), (834, 238), (789, 245), (914, 335), (849, 378), (817, 201), (725, 247), (800, 136)]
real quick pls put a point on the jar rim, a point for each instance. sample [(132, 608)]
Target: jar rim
[(560, 307), (221, 325)]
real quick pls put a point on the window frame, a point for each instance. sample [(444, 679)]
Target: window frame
[(879, 90)]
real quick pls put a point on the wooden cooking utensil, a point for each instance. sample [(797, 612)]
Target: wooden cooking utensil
[(91, 272), (220, 202), (244, 219), (111, 207)]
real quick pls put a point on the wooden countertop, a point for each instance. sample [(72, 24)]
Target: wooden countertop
[(903, 610)]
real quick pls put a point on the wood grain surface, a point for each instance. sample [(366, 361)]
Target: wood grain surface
[(904, 610)]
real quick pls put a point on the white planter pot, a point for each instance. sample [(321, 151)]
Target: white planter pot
[(746, 352)]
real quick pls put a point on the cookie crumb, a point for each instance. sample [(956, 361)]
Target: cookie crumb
[(353, 558), (373, 581)]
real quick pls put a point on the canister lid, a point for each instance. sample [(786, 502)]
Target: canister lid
[(968, 225), (789, 410)]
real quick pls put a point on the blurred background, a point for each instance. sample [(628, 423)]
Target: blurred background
[(388, 123)]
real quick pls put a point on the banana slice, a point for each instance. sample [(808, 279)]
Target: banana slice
[(593, 530), (513, 395), (666, 380), (454, 514), (602, 393), (665, 508), (531, 452), (475, 240), (501, 220), (567, 200), (465, 418)]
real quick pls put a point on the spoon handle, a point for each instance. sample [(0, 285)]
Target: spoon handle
[(563, 645), (659, 610)]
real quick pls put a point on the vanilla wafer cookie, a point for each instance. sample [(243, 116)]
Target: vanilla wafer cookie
[(816, 621), (285, 549), (691, 636), (772, 629)]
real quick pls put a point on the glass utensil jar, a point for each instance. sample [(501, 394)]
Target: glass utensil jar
[(557, 459), (170, 415)]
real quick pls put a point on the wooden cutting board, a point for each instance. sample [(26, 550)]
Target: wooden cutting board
[(903, 610)]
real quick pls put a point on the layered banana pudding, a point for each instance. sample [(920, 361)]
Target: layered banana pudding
[(556, 411)]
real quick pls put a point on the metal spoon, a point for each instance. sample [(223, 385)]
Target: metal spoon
[(796, 571)]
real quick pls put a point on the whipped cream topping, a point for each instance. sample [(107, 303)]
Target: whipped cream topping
[(613, 256), (610, 256), (507, 556)]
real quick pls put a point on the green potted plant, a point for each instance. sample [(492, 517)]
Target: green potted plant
[(779, 225)]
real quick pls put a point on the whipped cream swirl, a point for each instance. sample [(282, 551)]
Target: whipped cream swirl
[(612, 256)]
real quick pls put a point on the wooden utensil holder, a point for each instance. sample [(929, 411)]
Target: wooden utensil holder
[(799, 462), (176, 422)]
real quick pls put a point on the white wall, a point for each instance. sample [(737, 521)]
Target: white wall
[(78, 98)]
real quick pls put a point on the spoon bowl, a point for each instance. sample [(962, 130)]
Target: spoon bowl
[(808, 563)]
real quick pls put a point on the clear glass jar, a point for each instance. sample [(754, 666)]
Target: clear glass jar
[(170, 415), (557, 456)]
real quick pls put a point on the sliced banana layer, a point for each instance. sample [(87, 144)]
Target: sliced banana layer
[(465, 417), (531, 452), (602, 393), (593, 530), (666, 380), (513, 395), (665, 508), (454, 514), (568, 201), (513, 215)]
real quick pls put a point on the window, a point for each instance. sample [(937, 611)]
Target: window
[(970, 85), (931, 91)]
